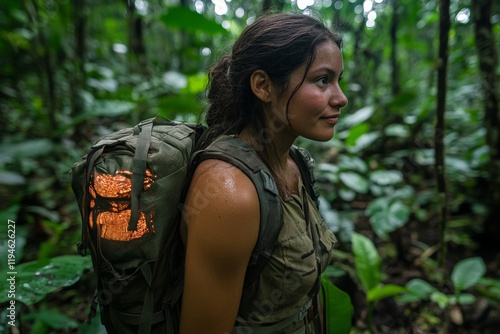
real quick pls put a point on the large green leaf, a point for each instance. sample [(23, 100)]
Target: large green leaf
[(338, 307), (355, 132), (386, 217), (355, 182), (34, 280), (384, 291), (467, 273), (9, 178), (183, 18), (367, 261), (386, 177), (359, 116)]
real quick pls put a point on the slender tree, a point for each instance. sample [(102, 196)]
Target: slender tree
[(77, 77), (46, 62), (137, 46), (439, 129), (482, 11), (396, 87)]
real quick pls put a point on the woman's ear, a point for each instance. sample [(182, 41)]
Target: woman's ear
[(261, 85)]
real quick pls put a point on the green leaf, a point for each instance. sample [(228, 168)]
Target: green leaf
[(196, 83), (365, 141), (386, 218), (338, 307), (377, 205), (398, 215), (333, 271), (386, 177), (463, 299), (358, 117), (34, 280), (384, 291), (355, 132), (441, 299), (182, 18), (367, 261), (95, 327), (467, 273), (420, 288), (52, 319), (416, 290), (397, 130), (354, 181), (352, 163), (9, 178)]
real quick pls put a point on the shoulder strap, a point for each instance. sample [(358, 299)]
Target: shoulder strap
[(305, 162), (242, 156)]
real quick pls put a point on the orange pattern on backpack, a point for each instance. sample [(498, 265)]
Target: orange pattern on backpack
[(110, 203)]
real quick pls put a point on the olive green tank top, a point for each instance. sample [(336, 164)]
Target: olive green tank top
[(283, 286)]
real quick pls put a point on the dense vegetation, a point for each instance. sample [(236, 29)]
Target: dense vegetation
[(410, 183)]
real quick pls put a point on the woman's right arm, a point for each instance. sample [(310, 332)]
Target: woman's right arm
[(222, 217)]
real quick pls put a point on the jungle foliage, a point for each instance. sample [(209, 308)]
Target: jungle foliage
[(410, 183)]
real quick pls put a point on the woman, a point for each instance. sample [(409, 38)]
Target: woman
[(280, 82)]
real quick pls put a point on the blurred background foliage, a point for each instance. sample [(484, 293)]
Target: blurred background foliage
[(72, 71)]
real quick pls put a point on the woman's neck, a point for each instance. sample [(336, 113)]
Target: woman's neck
[(273, 147)]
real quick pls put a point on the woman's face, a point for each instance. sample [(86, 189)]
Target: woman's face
[(314, 109)]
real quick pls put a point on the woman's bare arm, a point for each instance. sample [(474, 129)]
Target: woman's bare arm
[(222, 217)]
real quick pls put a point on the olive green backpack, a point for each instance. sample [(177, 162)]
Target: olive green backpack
[(129, 189)]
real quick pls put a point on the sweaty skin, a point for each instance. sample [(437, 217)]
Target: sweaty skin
[(222, 224)]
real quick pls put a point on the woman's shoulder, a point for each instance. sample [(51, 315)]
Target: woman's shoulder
[(219, 185), (221, 212)]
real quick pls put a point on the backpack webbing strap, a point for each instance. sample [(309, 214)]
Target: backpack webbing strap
[(89, 167), (305, 163), (139, 169), (147, 308)]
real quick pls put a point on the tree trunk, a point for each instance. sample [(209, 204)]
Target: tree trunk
[(396, 87), (439, 130), (77, 78), (482, 11), (137, 54), (46, 65)]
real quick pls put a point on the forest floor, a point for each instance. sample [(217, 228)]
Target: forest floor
[(409, 259)]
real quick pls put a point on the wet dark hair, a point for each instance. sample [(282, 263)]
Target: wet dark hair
[(275, 43)]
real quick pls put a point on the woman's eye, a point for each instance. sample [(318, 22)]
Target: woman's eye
[(323, 80)]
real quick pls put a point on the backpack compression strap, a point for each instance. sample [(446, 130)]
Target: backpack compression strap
[(144, 130)]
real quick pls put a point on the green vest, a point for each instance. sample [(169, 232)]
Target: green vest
[(287, 280)]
